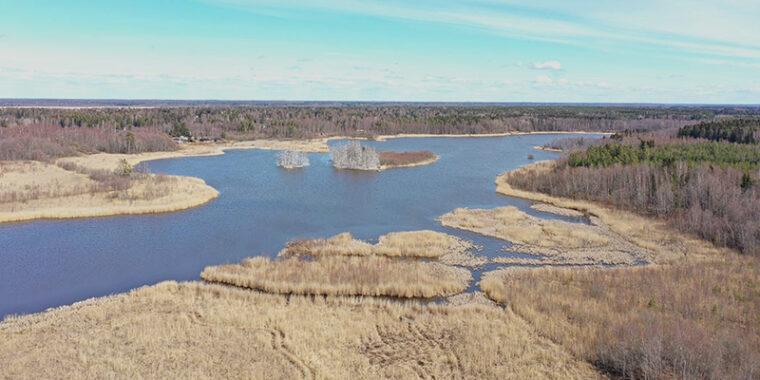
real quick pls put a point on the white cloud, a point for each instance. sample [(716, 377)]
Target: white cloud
[(733, 33), (543, 79), (562, 81), (549, 65)]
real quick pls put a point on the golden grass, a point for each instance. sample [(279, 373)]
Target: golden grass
[(39, 190), (686, 320), (513, 225), (192, 330), (49, 191), (655, 235), (410, 244), (343, 275), (543, 207), (562, 243)]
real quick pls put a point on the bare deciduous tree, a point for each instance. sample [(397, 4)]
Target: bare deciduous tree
[(292, 159), (353, 155)]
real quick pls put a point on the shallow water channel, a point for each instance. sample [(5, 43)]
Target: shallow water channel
[(260, 208)]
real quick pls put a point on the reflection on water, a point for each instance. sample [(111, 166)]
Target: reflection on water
[(260, 207)]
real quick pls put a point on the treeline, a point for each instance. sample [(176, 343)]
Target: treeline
[(292, 121), (702, 188), (665, 152), (48, 142), (741, 131)]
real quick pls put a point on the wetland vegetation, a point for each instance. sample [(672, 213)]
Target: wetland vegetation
[(647, 226)]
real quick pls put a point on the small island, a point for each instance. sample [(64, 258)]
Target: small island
[(353, 155)]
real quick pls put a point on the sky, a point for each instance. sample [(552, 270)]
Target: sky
[(643, 51)]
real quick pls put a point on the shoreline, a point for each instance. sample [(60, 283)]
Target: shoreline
[(649, 233), (475, 135), (195, 192)]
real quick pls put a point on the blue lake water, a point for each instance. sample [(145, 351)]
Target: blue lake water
[(259, 209)]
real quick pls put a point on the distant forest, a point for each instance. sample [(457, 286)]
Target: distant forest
[(292, 121), (742, 131)]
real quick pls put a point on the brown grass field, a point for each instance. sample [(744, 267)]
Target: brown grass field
[(695, 320), (344, 275), (192, 330)]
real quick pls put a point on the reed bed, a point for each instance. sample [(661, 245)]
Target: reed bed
[(513, 225), (343, 275), (407, 244), (194, 330), (543, 207), (560, 243), (695, 320), (391, 159)]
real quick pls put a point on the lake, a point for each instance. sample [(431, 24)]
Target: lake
[(259, 209)]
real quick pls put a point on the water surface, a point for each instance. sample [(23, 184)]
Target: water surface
[(259, 209)]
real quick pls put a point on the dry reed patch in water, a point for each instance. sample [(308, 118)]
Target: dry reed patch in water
[(343, 275), (561, 243), (686, 320), (408, 244), (339, 245), (391, 159), (193, 330), (513, 225), (651, 234)]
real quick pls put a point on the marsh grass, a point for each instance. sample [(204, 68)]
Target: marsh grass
[(193, 330), (560, 243), (391, 159), (343, 275), (423, 244), (687, 320)]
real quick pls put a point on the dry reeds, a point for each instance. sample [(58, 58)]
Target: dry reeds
[(689, 321), (390, 159), (513, 225), (341, 275), (410, 244), (561, 243), (193, 330)]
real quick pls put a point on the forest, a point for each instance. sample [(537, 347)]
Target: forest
[(706, 188), (38, 133), (742, 131), (367, 120)]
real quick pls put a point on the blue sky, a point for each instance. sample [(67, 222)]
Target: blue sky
[(650, 51)]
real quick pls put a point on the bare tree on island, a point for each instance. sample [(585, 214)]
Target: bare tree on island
[(353, 155), (289, 159)]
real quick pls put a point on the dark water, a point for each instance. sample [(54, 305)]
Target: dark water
[(52, 263)]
